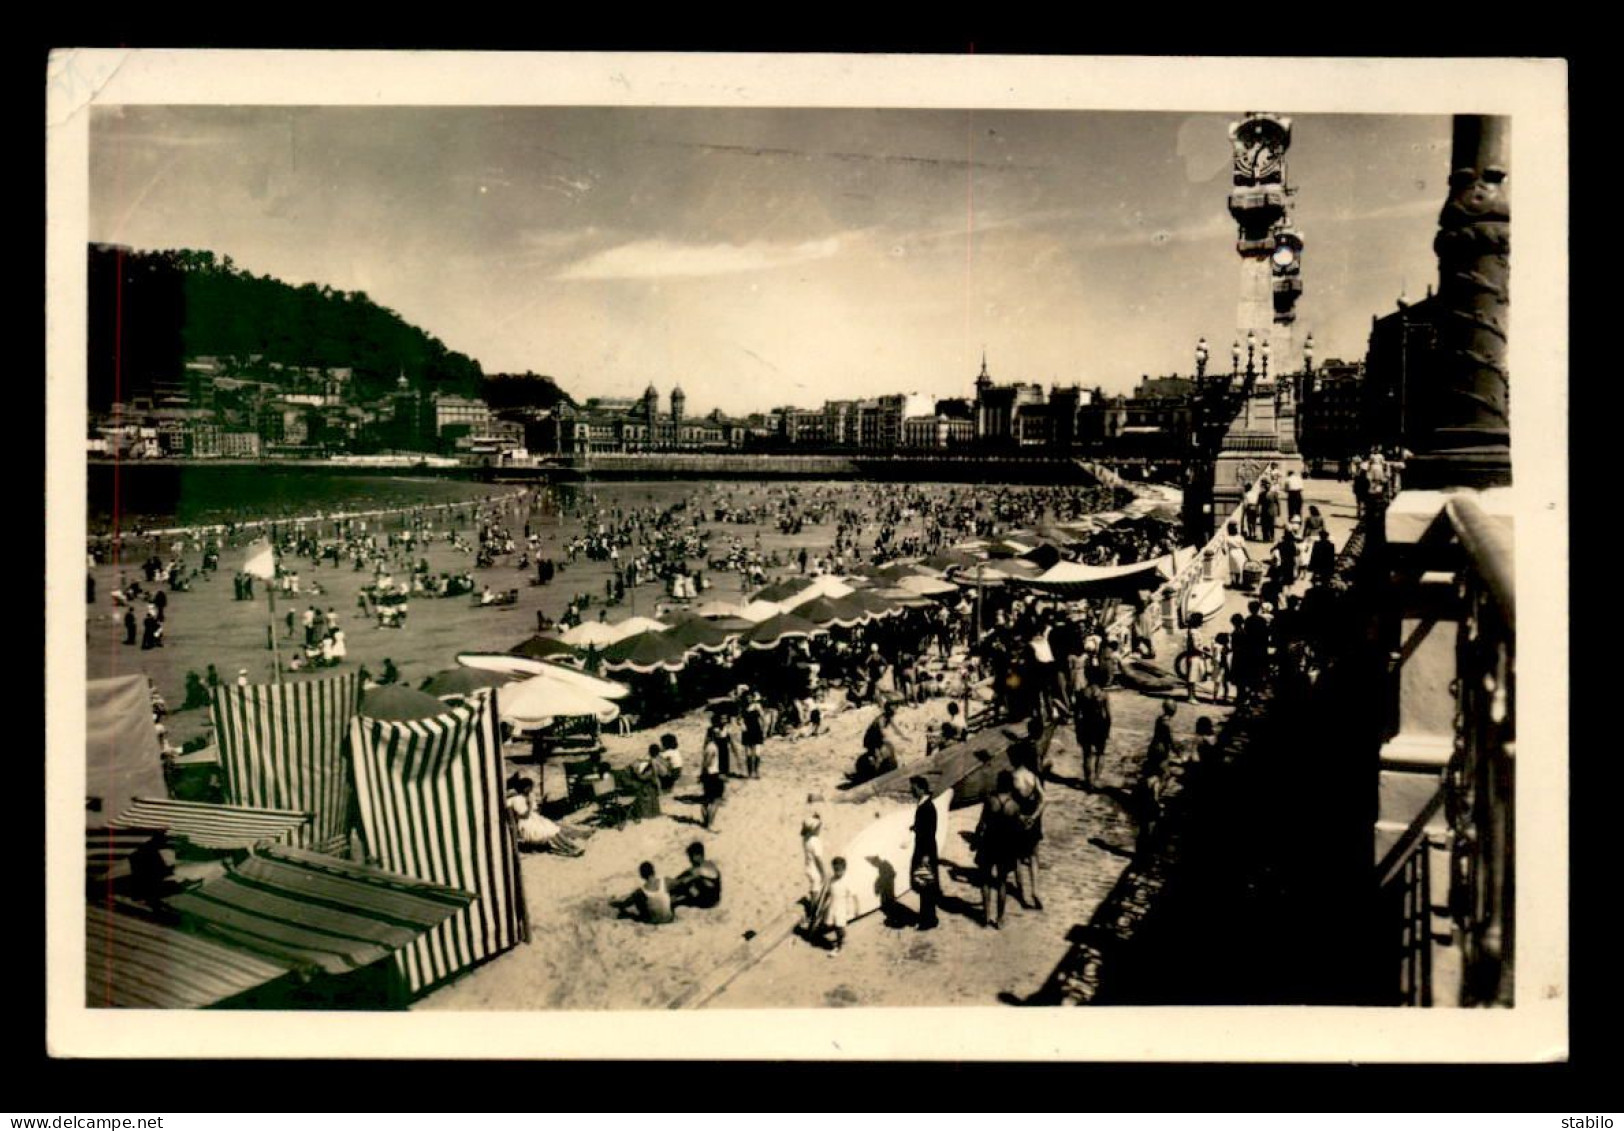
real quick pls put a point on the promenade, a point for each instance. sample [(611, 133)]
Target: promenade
[(1089, 841)]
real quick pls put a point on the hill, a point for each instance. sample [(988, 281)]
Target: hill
[(152, 311)]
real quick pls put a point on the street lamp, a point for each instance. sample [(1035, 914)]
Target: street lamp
[(1265, 351), (1235, 359), (1200, 360)]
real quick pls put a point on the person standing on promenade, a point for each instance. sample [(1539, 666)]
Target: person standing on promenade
[(1268, 508), (129, 625), (924, 866), (1294, 493), (712, 777), (753, 734), (997, 838), (1029, 798), (1093, 729), (814, 866)]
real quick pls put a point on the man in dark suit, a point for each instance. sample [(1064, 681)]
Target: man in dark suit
[(925, 866)]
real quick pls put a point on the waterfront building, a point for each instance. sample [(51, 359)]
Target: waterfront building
[(1401, 347)]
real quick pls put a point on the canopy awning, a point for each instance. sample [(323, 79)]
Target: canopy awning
[(211, 826), (1074, 579), (134, 963), (303, 909)]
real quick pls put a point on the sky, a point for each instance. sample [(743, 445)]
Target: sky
[(768, 257)]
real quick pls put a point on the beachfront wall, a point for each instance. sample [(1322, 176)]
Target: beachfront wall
[(430, 800), (282, 747)]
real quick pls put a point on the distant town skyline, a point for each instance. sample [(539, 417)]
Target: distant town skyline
[(768, 257)]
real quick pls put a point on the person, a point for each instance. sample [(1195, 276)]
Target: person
[(1093, 728), (1249, 508), (953, 727), (196, 694), (1223, 659), (1287, 550), (1312, 525), (651, 902), (924, 866), (1322, 558), (814, 866), (533, 831), (1236, 555), (1361, 486), (129, 626), (151, 630), (719, 736), (879, 745), (1268, 507), (1143, 627), (1206, 741), (1148, 790), (1294, 493), (242, 677), (1029, 798), (645, 782), (836, 907), (753, 735), (997, 837), (712, 777), (670, 762), (701, 884), (1196, 655), (212, 678)]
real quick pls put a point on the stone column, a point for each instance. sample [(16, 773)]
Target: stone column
[(1465, 438)]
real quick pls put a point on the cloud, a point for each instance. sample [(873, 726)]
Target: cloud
[(662, 259)]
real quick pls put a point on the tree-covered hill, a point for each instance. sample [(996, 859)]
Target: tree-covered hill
[(150, 312)]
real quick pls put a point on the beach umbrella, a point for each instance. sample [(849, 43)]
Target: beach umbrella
[(926, 586), (872, 603), (896, 571), (537, 701), (780, 590), (784, 626), (570, 677), (464, 681), (696, 634), (943, 560), (646, 652), (631, 626), (832, 610), (757, 611), (824, 585), (592, 634), (541, 647), (733, 626), (717, 609), (398, 704), (905, 598)]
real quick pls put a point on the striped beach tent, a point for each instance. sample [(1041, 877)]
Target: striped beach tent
[(430, 799), (212, 826), (282, 747)]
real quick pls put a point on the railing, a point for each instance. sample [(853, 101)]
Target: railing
[(1480, 781), (1404, 879)]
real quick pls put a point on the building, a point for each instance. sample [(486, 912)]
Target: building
[(997, 408), (1332, 412), (1401, 347), (453, 412), (240, 445)]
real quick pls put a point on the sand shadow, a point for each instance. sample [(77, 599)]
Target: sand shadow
[(1113, 849)]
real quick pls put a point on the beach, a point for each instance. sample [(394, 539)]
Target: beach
[(581, 956)]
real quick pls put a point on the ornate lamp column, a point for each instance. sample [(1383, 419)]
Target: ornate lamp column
[(1465, 438)]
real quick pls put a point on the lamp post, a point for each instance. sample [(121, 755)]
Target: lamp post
[(1235, 359), (1200, 360)]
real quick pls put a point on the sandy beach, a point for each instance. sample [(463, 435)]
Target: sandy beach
[(581, 955)]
